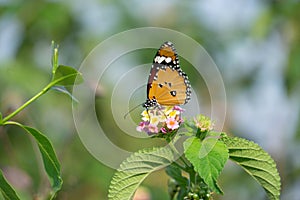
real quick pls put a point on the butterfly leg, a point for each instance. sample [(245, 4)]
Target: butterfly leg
[(160, 108)]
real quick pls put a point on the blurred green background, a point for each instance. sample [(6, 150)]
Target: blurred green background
[(255, 44)]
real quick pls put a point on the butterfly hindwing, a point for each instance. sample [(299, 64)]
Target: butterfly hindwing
[(168, 88)]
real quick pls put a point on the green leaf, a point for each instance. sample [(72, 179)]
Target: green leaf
[(62, 89), (65, 76), (208, 158), (215, 134), (190, 127), (256, 162), (6, 190), (135, 169), (51, 163)]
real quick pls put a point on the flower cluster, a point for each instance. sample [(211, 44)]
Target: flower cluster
[(203, 123), (163, 120)]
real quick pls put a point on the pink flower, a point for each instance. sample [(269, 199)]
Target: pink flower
[(163, 130), (172, 123), (141, 126), (147, 127), (152, 129), (162, 120), (178, 108)]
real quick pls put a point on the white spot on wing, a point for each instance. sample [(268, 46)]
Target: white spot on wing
[(161, 59), (168, 59)]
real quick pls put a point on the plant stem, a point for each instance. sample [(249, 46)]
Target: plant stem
[(43, 91), (183, 160), (179, 166), (173, 148), (192, 174)]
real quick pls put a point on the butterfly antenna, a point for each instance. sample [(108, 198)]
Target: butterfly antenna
[(132, 109)]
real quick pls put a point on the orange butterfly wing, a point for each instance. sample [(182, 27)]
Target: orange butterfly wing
[(169, 88), (167, 83)]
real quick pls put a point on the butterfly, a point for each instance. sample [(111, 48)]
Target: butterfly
[(167, 84)]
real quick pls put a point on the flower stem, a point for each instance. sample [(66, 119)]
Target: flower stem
[(192, 175), (179, 166), (183, 160)]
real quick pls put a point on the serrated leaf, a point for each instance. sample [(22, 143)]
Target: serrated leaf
[(6, 190), (214, 134), (135, 169), (256, 162), (51, 163), (65, 76), (208, 158)]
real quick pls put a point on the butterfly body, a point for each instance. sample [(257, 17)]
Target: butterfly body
[(167, 84)]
